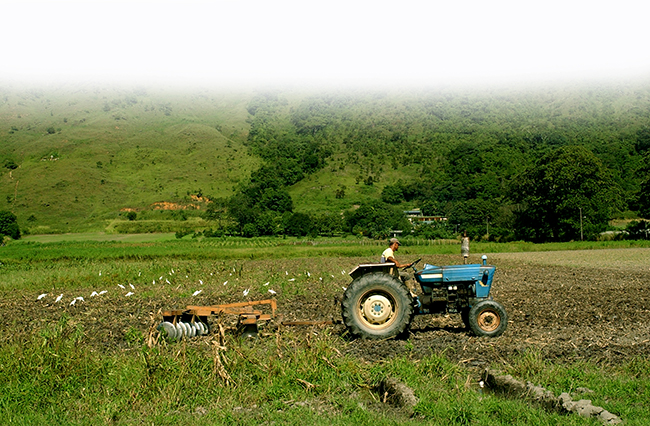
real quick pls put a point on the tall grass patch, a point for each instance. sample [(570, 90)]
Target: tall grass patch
[(287, 377)]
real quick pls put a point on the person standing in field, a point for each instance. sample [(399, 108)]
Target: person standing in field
[(464, 247)]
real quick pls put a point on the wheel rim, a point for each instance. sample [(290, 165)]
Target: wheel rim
[(489, 320), (377, 309)]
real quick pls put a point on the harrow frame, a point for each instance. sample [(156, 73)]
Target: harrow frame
[(247, 321)]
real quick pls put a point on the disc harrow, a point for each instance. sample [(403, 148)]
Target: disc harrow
[(193, 320)]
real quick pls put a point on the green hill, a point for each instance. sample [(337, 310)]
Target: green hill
[(85, 155), (76, 158)]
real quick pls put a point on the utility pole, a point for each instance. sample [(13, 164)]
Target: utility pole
[(580, 223)]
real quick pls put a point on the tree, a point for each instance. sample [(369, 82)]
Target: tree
[(216, 209), (430, 208), (565, 193), (269, 223), (340, 192), (474, 216), (328, 223), (642, 143), (242, 209), (265, 194), (298, 224), (376, 219), (643, 196), (392, 194), (277, 200), (9, 225)]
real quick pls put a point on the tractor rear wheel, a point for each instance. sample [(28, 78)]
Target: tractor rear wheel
[(377, 306), (488, 318)]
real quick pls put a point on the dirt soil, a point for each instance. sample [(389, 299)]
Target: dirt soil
[(564, 312)]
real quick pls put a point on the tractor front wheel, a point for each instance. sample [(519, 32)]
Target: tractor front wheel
[(377, 306), (488, 318)]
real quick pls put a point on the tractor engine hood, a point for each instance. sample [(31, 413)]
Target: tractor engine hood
[(479, 275)]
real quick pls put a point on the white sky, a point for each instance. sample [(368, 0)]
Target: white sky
[(323, 42)]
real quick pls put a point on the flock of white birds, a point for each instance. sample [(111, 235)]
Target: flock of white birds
[(59, 298)]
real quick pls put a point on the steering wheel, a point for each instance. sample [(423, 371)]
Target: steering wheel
[(412, 265)]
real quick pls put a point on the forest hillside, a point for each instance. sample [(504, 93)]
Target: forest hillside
[(501, 161)]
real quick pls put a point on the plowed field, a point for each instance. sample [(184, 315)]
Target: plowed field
[(566, 305)]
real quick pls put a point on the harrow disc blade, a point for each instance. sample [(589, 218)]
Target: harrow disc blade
[(198, 331), (180, 330), (168, 329), (186, 329), (204, 329)]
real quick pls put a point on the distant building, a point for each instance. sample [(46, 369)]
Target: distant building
[(417, 218)]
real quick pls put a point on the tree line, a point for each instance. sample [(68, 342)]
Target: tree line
[(533, 165)]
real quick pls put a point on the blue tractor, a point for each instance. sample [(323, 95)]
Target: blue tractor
[(378, 305)]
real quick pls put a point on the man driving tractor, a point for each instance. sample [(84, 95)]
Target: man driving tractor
[(389, 256)]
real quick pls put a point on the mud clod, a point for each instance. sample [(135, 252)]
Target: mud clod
[(397, 394), (563, 403)]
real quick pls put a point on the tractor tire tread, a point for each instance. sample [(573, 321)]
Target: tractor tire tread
[(387, 284)]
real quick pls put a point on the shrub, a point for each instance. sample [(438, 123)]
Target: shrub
[(638, 230), (181, 233), (9, 225), (11, 164), (179, 215), (433, 231), (250, 230), (209, 233)]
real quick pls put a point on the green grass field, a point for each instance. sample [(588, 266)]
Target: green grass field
[(58, 371)]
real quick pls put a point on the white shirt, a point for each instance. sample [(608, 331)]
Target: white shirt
[(386, 254)]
